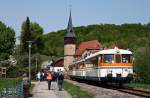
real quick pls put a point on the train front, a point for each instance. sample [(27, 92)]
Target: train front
[(116, 65)]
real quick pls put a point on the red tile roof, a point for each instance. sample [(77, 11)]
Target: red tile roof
[(93, 44)]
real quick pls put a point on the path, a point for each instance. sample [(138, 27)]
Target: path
[(41, 91)]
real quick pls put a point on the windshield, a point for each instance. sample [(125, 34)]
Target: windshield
[(108, 58)]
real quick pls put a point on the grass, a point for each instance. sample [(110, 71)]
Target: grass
[(4, 83), (75, 91), (138, 85)]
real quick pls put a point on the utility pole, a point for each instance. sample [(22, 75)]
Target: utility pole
[(29, 46)]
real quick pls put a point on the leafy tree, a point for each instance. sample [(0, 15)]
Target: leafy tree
[(31, 32), (37, 37), (142, 67), (7, 41), (132, 36), (25, 35)]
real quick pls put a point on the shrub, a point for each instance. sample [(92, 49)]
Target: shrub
[(142, 67)]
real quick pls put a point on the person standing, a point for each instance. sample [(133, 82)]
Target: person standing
[(38, 76), (49, 79), (60, 80)]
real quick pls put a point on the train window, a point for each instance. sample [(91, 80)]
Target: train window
[(118, 59), (108, 58), (126, 58)]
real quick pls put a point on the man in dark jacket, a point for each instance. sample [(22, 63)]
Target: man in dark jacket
[(60, 79)]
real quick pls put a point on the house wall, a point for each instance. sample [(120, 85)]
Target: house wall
[(56, 69)]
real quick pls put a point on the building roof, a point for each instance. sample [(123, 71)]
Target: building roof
[(70, 32), (93, 44), (58, 63)]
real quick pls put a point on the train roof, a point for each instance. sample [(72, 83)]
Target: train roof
[(110, 51), (115, 51), (106, 51)]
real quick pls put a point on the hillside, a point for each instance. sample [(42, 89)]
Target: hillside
[(132, 36)]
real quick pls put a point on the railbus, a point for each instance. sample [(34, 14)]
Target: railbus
[(108, 65)]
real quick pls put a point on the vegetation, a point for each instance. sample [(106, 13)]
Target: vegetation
[(7, 41), (75, 91), (25, 35), (126, 36), (50, 46), (9, 82), (29, 32), (138, 85), (142, 66), (132, 36)]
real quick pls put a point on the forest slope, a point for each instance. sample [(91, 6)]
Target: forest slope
[(131, 36)]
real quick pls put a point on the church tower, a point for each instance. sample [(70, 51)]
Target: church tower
[(69, 45)]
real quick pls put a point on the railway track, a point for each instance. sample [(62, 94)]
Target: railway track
[(133, 91), (138, 92)]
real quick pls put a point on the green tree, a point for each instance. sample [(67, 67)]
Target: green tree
[(37, 37), (142, 68), (25, 35), (7, 41), (31, 32)]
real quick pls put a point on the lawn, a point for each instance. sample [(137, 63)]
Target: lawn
[(8, 83), (75, 91)]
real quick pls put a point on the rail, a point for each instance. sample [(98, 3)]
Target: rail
[(138, 92), (133, 91)]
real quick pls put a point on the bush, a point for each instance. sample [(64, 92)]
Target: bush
[(142, 68)]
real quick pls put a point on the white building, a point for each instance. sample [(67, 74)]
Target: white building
[(57, 66)]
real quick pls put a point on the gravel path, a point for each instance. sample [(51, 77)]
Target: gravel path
[(41, 91), (100, 92)]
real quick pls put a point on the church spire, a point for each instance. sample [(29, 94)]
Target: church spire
[(70, 26), (70, 32)]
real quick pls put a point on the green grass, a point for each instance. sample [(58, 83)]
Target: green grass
[(138, 85), (4, 83), (75, 91)]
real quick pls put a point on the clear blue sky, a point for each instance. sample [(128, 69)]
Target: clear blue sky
[(53, 15)]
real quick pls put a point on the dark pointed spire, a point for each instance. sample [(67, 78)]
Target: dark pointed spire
[(70, 32), (70, 26)]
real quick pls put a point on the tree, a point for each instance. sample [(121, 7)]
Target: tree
[(7, 41), (142, 68), (25, 35), (37, 37), (31, 32)]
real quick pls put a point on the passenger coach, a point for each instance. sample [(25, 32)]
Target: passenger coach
[(109, 65)]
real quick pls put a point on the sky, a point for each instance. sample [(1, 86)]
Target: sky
[(53, 15)]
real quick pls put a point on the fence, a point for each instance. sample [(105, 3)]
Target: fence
[(11, 88)]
